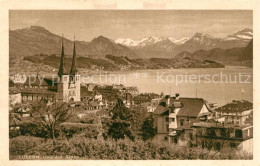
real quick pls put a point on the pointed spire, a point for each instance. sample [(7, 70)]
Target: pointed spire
[(73, 69), (62, 67)]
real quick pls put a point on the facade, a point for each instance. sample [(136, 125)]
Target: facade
[(189, 121), (235, 112), (218, 136), (144, 98), (175, 112)]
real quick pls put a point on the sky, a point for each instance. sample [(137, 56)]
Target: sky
[(134, 24)]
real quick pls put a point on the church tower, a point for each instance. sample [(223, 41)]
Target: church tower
[(69, 83), (74, 84), (63, 82)]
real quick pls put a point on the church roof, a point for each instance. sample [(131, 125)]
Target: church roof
[(73, 69), (62, 69)]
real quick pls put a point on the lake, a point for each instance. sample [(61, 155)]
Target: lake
[(216, 85)]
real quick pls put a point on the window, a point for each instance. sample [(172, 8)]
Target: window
[(175, 140), (181, 122), (233, 145), (188, 119), (238, 133), (173, 119), (167, 119), (167, 128), (191, 136), (217, 146)]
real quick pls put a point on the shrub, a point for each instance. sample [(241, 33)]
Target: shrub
[(32, 59), (14, 133), (22, 144), (109, 149), (33, 129), (88, 130)]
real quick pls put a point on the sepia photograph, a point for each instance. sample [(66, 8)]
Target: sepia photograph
[(130, 84)]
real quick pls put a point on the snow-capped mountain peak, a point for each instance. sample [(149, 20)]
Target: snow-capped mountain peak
[(149, 41), (178, 41), (245, 34), (127, 42)]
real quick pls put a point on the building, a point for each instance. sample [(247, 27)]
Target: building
[(218, 136), (15, 96), (153, 104), (144, 98), (189, 121), (176, 112), (65, 87), (235, 112)]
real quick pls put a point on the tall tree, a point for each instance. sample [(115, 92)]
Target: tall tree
[(120, 127), (148, 130)]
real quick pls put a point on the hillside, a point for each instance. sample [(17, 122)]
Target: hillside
[(49, 64), (38, 40), (242, 56)]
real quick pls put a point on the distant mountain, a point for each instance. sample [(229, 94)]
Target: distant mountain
[(245, 34), (169, 47), (240, 56), (138, 43), (207, 42), (178, 41), (151, 40), (38, 40)]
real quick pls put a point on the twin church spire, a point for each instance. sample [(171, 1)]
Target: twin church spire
[(62, 70)]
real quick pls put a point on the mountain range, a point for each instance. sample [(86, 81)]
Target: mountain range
[(240, 56), (38, 40)]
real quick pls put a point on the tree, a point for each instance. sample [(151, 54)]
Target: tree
[(50, 115), (148, 130), (120, 125)]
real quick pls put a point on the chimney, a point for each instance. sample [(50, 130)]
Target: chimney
[(167, 97), (177, 96)]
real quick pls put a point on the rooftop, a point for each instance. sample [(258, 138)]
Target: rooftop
[(188, 106), (235, 106)]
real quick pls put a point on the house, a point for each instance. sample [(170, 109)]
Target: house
[(176, 112), (153, 104), (133, 90), (15, 96), (235, 112), (144, 98), (217, 136)]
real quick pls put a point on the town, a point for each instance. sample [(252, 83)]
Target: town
[(101, 112)]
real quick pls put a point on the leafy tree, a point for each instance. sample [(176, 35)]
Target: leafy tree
[(148, 130), (120, 125), (50, 115)]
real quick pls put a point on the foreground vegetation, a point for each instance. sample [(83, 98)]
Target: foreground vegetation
[(124, 149)]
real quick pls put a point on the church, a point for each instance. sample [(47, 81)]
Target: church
[(68, 86), (64, 88)]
